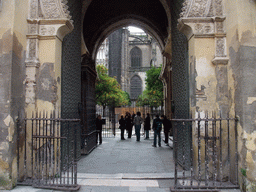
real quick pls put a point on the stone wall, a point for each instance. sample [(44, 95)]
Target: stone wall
[(12, 79), (241, 41)]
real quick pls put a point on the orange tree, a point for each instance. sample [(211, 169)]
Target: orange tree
[(153, 94), (108, 91)]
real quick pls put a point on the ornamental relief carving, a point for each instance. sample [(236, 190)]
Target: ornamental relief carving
[(218, 8), (198, 8), (49, 9), (33, 29), (203, 28), (33, 9), (32, 48), (219, 27), (47, 30), (220, 47), (201, 8)]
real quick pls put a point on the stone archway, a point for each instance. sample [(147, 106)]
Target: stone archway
[(202, 21)]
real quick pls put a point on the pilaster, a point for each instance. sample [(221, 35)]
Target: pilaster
[(48, 23), (202, 21)]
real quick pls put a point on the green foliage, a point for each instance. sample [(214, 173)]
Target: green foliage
[(127, 97), (108, 91), (153, 94), (243, 171)]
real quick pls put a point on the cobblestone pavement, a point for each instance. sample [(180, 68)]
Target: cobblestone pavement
[(124, 166)]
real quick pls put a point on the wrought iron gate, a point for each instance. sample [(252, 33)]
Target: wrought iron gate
[(47, 156), (110, 121), (213, 163)]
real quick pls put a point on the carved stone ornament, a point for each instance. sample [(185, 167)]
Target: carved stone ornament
[(220, 47), (33, 9), (32, 48), (203, 28), (204, 19), (47, 30), (52, 9), (49, 9), (33, 29), (201, 8)]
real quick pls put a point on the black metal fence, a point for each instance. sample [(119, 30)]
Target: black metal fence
[(48, 149), (213, 160), (110, 121)]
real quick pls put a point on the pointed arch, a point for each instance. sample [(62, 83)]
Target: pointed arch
[(136, 87), (136, 57)]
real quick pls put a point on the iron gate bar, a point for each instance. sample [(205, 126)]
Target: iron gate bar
[(220, 138), (206, 151), (228, 147), (213, 153), (47, 168), (199, 148)]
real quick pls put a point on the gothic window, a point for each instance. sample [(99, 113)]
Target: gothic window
[(136, 57), (136, 87)]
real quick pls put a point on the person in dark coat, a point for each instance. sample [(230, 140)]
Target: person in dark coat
[(133, 115), (167, 126), (122, 126), (157, 127), (137, 123), (99, 123), (128, 124), (147, 126)]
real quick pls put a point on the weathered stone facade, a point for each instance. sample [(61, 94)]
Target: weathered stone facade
[(221, 47)]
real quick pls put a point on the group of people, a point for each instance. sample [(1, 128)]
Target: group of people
[(127, 123)]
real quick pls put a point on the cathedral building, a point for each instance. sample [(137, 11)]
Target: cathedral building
[(128, 55)]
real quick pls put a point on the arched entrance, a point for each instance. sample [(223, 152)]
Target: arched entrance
[(99, 23), (73, 90)]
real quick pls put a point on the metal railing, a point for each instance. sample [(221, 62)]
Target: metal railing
[(209, 160), (47, 151)]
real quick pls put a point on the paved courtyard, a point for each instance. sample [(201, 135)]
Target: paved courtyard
[(124, 166)]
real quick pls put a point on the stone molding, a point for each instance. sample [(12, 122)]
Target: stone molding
[(48, 19), (205, 19)]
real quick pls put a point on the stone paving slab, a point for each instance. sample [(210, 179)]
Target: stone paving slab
[(123, 166), (116, 156), (128, 176), (106, 189)]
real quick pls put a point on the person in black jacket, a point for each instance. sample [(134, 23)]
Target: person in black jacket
[(99, 123), (157, 127), (167, 126), (147, 126), (128, 124), (122, 126)]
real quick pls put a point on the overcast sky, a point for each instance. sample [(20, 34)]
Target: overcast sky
[(135, 29)]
